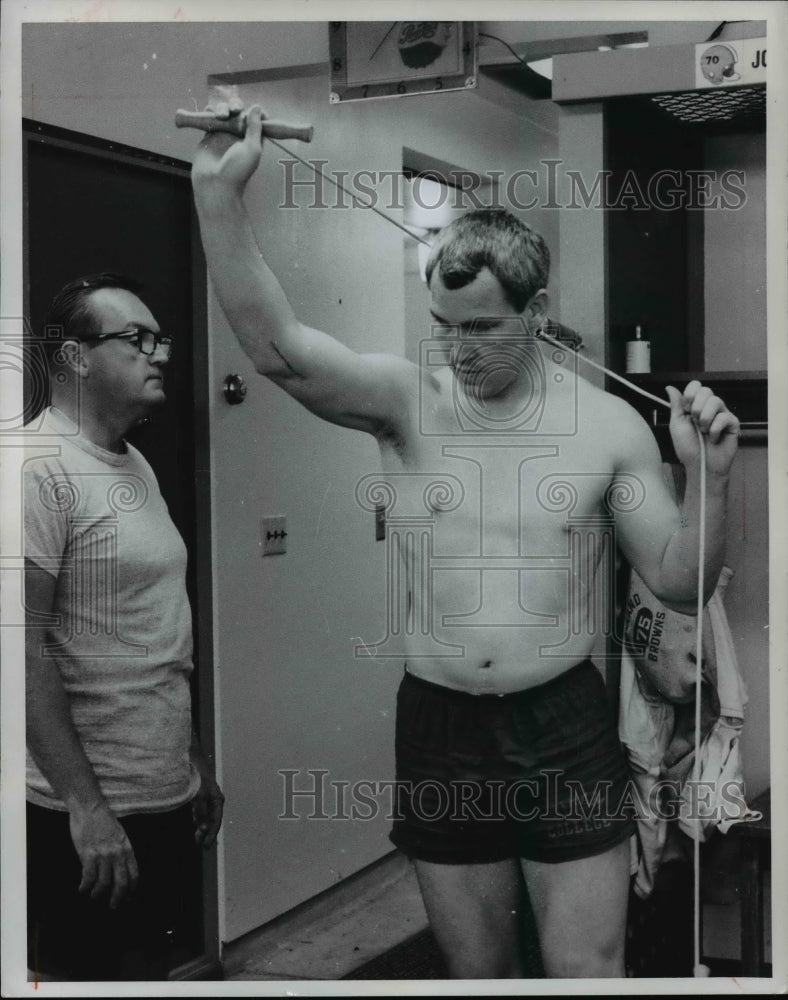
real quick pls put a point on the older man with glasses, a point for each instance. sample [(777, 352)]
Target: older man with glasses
[(118, 795)]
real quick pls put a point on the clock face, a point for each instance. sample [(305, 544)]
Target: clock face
[(392, 58)]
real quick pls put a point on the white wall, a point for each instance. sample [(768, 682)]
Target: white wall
[(124, 82)]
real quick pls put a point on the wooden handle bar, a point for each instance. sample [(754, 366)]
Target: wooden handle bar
[(236, 125)]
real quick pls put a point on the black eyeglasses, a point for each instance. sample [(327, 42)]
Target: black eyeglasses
[(146, 340)]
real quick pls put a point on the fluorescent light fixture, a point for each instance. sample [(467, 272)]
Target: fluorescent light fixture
[(544, 67), (429, 204)]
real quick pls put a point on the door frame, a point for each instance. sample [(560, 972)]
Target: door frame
[(206, 966)]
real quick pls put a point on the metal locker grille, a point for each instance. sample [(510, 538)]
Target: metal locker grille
[(736, 105)]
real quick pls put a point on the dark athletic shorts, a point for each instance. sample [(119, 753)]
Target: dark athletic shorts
[(75, 938), (538, 774)]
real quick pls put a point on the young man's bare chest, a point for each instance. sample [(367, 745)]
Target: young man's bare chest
[(492, 486), (495, 540)]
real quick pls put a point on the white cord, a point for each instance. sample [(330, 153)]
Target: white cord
[(359, 202), (699, 969)]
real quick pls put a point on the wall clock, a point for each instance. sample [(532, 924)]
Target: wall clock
[(370, 59)]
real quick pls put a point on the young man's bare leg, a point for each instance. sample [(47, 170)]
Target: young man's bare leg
[(475, 915), (581, 910)]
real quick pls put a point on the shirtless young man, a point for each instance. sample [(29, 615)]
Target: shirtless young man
[(521, 706)]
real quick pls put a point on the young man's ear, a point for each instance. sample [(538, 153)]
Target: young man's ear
[(537, 310)]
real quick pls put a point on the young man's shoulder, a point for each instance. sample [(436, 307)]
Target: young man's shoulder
[(407, 387), (614, 417), (416, 382), (606, 404), (398, 369)]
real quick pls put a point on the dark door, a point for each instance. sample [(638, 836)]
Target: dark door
[(97, 206)]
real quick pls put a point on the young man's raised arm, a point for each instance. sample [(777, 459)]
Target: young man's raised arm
[(365, 392), (661, 540)]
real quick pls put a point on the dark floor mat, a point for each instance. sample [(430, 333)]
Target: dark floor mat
[(416, 958), (419, 958)]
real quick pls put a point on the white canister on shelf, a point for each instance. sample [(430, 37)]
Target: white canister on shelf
[(638, 357)]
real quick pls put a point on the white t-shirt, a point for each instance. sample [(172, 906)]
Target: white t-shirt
[(97, 522)]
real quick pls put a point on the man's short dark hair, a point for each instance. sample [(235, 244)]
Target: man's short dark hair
[(495, 239), (70, 316)]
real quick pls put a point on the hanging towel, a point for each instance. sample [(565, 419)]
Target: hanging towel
[(657, 724)]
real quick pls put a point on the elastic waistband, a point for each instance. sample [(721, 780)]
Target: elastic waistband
[(536, 690)]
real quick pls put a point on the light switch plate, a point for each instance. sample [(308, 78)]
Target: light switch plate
[(273, 534)]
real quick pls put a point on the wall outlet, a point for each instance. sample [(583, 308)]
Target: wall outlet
[(273, 534)]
